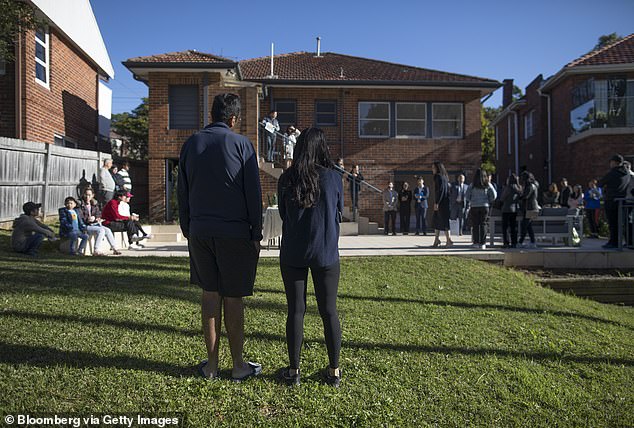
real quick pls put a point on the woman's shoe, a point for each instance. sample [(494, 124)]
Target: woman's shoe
[(288, 378), (333, 380), (98, 254), (116, 252), (436, 243), (449, 243)]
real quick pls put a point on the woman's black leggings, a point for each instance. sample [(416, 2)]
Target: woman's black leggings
[(326, 281)]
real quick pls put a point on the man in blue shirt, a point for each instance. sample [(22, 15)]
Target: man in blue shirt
[(220, 207)]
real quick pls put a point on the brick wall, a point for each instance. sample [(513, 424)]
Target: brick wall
[(7, 102), (69, 106)]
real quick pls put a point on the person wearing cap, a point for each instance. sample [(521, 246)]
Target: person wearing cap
[(614, 186), (72, 226), (106, 182), (120, 219), (28, 233)]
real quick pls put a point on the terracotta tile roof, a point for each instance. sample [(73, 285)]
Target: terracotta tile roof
[(334, 67), (620, 52), (189, 56)]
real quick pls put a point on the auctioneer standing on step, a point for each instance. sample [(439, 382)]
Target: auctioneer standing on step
[(220, 206)]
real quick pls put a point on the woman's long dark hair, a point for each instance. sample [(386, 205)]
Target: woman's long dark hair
[(440, 169), (480, 179), (302, 178)]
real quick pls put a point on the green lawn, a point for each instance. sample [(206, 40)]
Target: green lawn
[(427, 341)]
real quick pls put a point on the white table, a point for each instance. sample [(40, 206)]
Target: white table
[(272, 225)]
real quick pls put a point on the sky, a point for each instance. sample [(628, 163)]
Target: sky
[(496, 39)]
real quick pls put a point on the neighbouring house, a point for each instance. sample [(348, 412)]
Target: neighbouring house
[(393, 120), (54, 92), (570, 124)]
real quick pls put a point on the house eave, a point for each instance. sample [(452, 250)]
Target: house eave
[(585, 69)]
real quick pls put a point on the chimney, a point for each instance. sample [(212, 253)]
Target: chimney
[(318, 46), (507, 93)]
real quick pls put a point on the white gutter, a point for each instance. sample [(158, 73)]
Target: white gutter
[(549, 127), (517, 156)]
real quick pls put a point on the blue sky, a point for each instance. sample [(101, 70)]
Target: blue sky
[(489, 38)]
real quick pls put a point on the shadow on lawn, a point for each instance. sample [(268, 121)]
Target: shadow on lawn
[(467, 306), (44, 356)]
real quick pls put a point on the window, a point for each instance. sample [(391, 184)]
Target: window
[(411, 119), (529, 124), (374, 119), (447, 120), (606, 103), (42, 56), (183, 107), (326, 113), (286, 113), (64, 142)]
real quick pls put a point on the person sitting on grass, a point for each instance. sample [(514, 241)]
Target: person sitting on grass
[(72, 226), (117, 216), (28, 233), (91, 215)]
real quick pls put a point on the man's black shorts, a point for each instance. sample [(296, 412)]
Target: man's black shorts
[(225, 265)]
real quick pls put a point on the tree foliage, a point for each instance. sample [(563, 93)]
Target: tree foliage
[(133, 127), (16, 17), (607, 39), (488, 137)]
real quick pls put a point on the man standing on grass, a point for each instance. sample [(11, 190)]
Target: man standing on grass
[(220, 206)]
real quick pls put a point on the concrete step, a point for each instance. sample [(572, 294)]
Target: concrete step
[(166, 237), (348, 228), (162, 228)]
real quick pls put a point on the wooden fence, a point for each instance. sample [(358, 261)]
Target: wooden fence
[(42, 173)]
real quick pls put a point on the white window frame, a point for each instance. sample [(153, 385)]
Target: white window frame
[(529, 124), (424, 120), (389, 119), (46, 64), (461, 136)]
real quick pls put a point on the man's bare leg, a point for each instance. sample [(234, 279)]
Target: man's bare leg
[(211, 315), (234, 323)]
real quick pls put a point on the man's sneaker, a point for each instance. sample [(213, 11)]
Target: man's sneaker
[(483, 247), (150, 236), (135, 238), (136, 246), (288, 378), (332, 380)]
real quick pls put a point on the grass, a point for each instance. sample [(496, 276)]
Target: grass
[(427, 341)]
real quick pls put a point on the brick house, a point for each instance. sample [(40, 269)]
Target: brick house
[(393, 120), (54, 91), (570, 124)]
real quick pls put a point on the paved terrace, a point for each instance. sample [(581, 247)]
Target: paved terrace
[(589, 256)]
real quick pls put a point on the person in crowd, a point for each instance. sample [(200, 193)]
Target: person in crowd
[(592, 204), (106, 182), (28, 233), (405, 207), (218, 165), (564, 195), (390, 206), (441, 204), (551, 196), (290, 140), (421, 194), (118, 178), (271, 128), (529, 208), (311, 201), (458, 201), (125, 211), (492, 182), (614, 184), (124, 173), (575, 200), (510, 205), (354, 180), (91, 215), (629, 192), (112, 218), (72, 226), (480, 196)]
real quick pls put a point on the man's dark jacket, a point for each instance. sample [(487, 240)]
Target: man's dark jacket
[(219, 193), (615, 183)]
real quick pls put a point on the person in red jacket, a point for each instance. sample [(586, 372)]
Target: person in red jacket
[(117, 222)]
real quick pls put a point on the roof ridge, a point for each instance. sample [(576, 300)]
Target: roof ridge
[(596, 52), (186, 51), (274, 56)]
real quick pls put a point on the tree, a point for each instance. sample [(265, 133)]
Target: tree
[(606, 39), (133, 127), (488, 137), (517, 93), (16, 18)]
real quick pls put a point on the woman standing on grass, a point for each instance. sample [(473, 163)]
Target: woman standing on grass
[(310, 204), (441, 203)]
